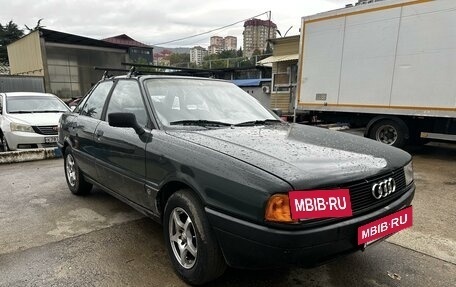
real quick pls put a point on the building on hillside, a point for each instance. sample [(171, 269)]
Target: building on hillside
[(256, 34), (230, 43), (138, 52), (219, 44), (214, 49), (284, 62), (216, 41), (163, 57), (197, 55), (65, 61)]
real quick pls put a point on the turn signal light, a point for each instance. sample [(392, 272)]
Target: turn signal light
[(278, 209)]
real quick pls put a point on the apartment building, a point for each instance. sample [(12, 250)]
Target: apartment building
[(197, 54), (219, 44), (256, 33)]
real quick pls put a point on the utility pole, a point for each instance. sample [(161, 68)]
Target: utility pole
[(269, 30)]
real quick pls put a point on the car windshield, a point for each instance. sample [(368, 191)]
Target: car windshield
[(204, 102), (34, 104)]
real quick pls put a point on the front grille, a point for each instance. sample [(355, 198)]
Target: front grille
[(361, 192), (46, 130)]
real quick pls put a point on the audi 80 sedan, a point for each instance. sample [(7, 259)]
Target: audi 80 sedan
[(231, 183)]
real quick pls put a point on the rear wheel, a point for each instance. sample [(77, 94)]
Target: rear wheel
[(388, 132), (192, 247), (74, 177)]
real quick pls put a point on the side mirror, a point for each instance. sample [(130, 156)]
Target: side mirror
[(277, 112), (125, 120)]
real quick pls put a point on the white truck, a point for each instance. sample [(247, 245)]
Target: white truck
[(388, 65)]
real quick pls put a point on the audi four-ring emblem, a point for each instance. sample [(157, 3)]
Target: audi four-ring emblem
[(383, 188)]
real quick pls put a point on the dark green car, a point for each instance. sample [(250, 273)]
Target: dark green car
[(231, 183)]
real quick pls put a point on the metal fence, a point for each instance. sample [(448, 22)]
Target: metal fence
[(21, 84)]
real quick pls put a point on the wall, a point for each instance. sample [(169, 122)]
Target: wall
[(71, 67), (25, 56)]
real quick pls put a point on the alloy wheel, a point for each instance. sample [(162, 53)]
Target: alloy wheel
[(182, 238), (70, 170)]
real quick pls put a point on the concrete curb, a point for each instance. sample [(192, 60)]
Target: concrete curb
[(30, 155)]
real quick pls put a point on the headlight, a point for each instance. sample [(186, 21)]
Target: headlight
[(21, 128), (408, 171)]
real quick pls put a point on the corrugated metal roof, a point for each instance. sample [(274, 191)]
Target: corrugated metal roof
[(66, 38), (275, 59), (126, 41)]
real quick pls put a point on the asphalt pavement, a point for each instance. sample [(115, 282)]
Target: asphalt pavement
[(49, 237)]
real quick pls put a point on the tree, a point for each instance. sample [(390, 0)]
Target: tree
[(37, 26), (239, 52), (9, 33), (177, 58), (227, 54)]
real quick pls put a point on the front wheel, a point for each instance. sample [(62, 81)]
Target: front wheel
[(4, 147), (191, 245), (74, 177)]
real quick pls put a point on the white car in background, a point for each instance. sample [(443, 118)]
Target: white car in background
[(29, 120)]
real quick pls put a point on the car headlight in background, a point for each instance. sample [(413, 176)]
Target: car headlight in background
[(408, 172), (15, 127)]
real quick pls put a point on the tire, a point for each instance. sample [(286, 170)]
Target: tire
[(4, 143), (198, 260), (389, 132), (74, 177)]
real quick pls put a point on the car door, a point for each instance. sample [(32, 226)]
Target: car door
[(82, 128), (121, 151)]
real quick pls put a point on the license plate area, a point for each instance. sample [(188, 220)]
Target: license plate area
[(51, 139), (374, 231)]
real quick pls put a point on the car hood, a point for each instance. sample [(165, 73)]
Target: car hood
[(36, 119), (304, 156)]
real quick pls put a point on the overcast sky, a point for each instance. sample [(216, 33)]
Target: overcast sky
[(153, 21)]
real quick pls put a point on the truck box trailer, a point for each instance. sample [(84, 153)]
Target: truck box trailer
[(388, 65)]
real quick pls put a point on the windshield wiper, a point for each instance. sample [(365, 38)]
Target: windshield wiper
[(257, 122), (202, 123), (21, 112)]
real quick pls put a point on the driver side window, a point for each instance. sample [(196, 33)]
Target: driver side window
[(126, 98), (95, 103)]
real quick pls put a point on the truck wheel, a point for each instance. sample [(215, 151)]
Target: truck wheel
[(388, 132), (191, 245), (74, 177)]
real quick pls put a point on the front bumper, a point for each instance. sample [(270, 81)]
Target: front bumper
[(248, 245), (24, 140)]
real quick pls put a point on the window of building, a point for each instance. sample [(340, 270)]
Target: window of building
[(284, 76)]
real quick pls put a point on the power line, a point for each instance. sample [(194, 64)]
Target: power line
[(213, 30)]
